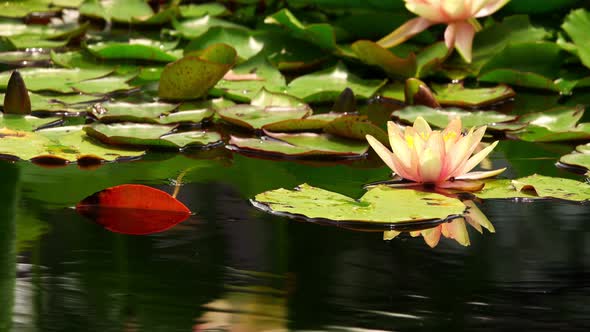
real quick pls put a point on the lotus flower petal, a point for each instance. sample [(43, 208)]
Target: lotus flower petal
[(477, 158), (432, 236), (405, 32), (489, 7), (423, 155), (463, 39), (480, 175)]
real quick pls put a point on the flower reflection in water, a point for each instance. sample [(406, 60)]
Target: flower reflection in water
[(455, 229)]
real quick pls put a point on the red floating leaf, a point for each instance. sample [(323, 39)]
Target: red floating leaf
[(133, 209)]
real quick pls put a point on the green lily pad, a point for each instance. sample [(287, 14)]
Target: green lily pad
[(194, 28), (18, 9), (192, 76), (576, 24), (245, 43), (24, 122), (125, 11), (155, 112), (265, 77), (515, 66), (133, 112), (301, 145), (53, 79), (103, 85), (356, 127), (200, 10), (320, 34), (135, 134), (137, 51), (559, 124), (18, 57), (265, 109), (326, 85), (441, 117), (380, 204), (70, 103), (458, 95), (536, 186), (579, 158), (373, 54), (545, 186), (314, 122), (66, 144)]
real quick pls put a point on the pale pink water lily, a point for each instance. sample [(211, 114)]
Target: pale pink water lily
[(423, 155), (459, 15)]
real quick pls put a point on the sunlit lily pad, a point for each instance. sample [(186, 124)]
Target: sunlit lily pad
[(17, 9), (192, 76), (301, 145), (310, 123), (536, 186), (458, 95), (155, 112), (578, 158), (261, 75), (200, 10), (380, 204), (104, 85), (576, 24), (195, 27), (70, 103), (245, 43), (265, 109), (559, 124), (53, 79), (373, 54), (321, 34), (24, 122), (135, 134), (125, 11), (137, 51), (326, 85), (441, 117), (66, 144)]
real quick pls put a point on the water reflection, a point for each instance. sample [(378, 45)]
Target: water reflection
[(455, 229), (243, 309)]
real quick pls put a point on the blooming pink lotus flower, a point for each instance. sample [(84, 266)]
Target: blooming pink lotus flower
[(459, 15), (423, 155)]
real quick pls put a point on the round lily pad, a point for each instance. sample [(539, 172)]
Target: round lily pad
[(380, 205), (135, 134)]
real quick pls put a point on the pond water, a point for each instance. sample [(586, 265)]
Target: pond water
[(231, 267)]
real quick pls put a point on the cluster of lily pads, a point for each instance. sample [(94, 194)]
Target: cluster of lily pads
[(109, 80)]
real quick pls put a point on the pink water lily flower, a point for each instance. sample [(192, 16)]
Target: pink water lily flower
[(423, 155), (459, 15)]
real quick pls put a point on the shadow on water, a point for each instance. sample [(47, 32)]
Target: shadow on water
[(231, 267)]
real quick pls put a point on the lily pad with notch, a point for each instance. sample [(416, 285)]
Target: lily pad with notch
[(536, 187), (381, 207), (326, 85), (458, 95), (152, 135), (558, 124), (441, 117), (60, 144), (579, 158), (266, 108), (316, 122), (300, 145), (54, 79)]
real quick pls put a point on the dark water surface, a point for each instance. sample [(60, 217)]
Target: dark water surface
[(231, 267)]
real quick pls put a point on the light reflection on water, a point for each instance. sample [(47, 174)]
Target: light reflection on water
[(233, 268)]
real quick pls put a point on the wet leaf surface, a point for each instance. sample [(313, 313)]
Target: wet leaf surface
[(381, 204), (161, 136), (536, 186), (441, 117), (301, 145)]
